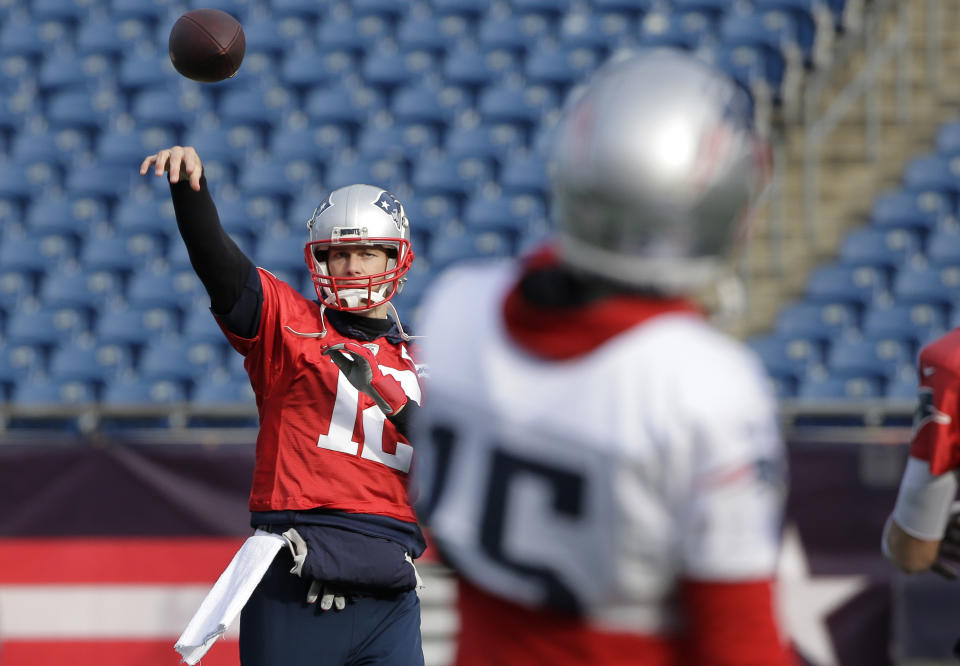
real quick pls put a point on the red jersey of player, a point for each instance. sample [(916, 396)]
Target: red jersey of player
[(914, 533)]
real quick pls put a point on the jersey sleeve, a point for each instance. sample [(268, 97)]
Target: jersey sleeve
[(731, 516), (936, 433)]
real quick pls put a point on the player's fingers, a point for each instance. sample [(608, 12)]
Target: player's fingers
[(340, 601), (147, 161), (176, 161), (160, 162), (193, 168), (314, 592), (326, 602)]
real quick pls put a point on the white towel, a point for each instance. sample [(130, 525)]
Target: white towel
[(229, 594)]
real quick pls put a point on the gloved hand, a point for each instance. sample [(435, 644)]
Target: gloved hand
[(359, 366), (949, 546), (328, 599)]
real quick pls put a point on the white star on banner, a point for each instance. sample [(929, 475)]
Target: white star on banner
[(806, 601)]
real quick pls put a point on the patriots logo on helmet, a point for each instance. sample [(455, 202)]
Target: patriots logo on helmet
[(391, 206), (325, 204)]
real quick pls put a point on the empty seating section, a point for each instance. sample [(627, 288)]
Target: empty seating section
[(449, 103)]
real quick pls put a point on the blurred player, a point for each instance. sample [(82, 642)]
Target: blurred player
[(600, 466), (335, 385), (920, 532)]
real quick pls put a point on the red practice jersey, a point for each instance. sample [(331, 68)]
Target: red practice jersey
[(322, 443), (936, 432)]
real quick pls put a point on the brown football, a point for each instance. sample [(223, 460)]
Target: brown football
[(207, 45)]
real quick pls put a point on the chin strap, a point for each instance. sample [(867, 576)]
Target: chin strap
[(321, 334), (396, 319)]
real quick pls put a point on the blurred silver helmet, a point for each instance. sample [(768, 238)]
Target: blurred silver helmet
[(655, 166), (359, 215)]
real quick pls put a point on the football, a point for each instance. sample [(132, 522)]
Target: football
[(207, 45)]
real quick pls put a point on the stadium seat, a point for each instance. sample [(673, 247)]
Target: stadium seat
[(68, 72), (175, 108), (128, 147), (350, 32), (199, 325), (482, 140), (514, 214), (831, 389), (903, 385), (36, 253), (431, 212), (273, 177), (429, 103), (446, 249), (473, 67), (514, 103), (887, 248), (341, 104), (89, 362), (305, 69), (926, 285), (396, 140), (524, 173), (905, 321), (108, 181), (549, 8), (933, 172), (788, 355), (430, 32), (273, 34), (560, 66), (250, 215), (138, 392), (867, 357), (61, 147), (387, 67), (278, 253), (34, 38), (948, 139), (79, 287), (18, 363), (63, 215), (165, 288), (468, 8), (686, 30), (309, 9), (773, 34), (350, 168), (943, 246), (132, 326), (25, 180), (146, 215), (45, 327), (177, 361), (145, 70), (439, 173), (594, 30), (855, 284), (906, 210), (511, 31), (16, 108), (121, 251), (222, 389), (822, 322), (259, 106), (107, 36), (15, 286), (630, 7), (809, 16), (43, 392), (138, 9), (308, 142)]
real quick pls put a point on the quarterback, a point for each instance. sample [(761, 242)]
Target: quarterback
[(335, 385), (601, 467)]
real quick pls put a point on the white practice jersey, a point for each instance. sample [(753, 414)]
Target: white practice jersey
[(594, 484)]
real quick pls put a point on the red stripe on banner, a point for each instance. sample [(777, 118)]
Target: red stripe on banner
[(114, 560), (98, 653)]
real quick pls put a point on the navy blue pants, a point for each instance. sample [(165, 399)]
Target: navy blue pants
[(277, 626)]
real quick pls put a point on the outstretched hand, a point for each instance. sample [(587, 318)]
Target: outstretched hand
[(180, 161)]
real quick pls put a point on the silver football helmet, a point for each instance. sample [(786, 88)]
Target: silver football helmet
[(655, 165), (359, 215)]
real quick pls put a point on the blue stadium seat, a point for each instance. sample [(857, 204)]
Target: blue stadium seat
[(107, 36), (715, 9), (834, 283), (550, 8), (257, 106), (524, 173), (249, 215), (431, 212), (17, 108), (431, 32), (63, 215), (354, 33), (133, 326), (514, 103), (308, 142), (342, 104), (822, 322), (45, 326), (147, 70), (791, 355), (15, 71), (395, 140), (905, 321), (305, 69), (68, 72), (348, 169), (867, 357), (836, 388), (224, 144), (222, 390), (901, 209), (280, 253), (387, 67), (138, 9), (309, 9), (79, 287), (446, 249), (493, 210), (926, 285), (386, 9), (429, 103), (684, 31), (467, 65), (121, 251), (18, 363), (482, 140), (138, 392), (128, 147), (630, 7), (439, 173), (560, 66), (903, 384), (887, 248), (467, 8), (943, 246), (15, 286), (42, 392), (511, 31), (146, 215), (87, 361), (36, 253), (277, 177), (772, 33), (804, 15), (176, 108), (108, 181), (59, 147), (60, 10), (24, 180), (594, 30), (21, 36), (273, 35), (199, 325), (948, 139), (177, 361), (165, 288), (933, 172)]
